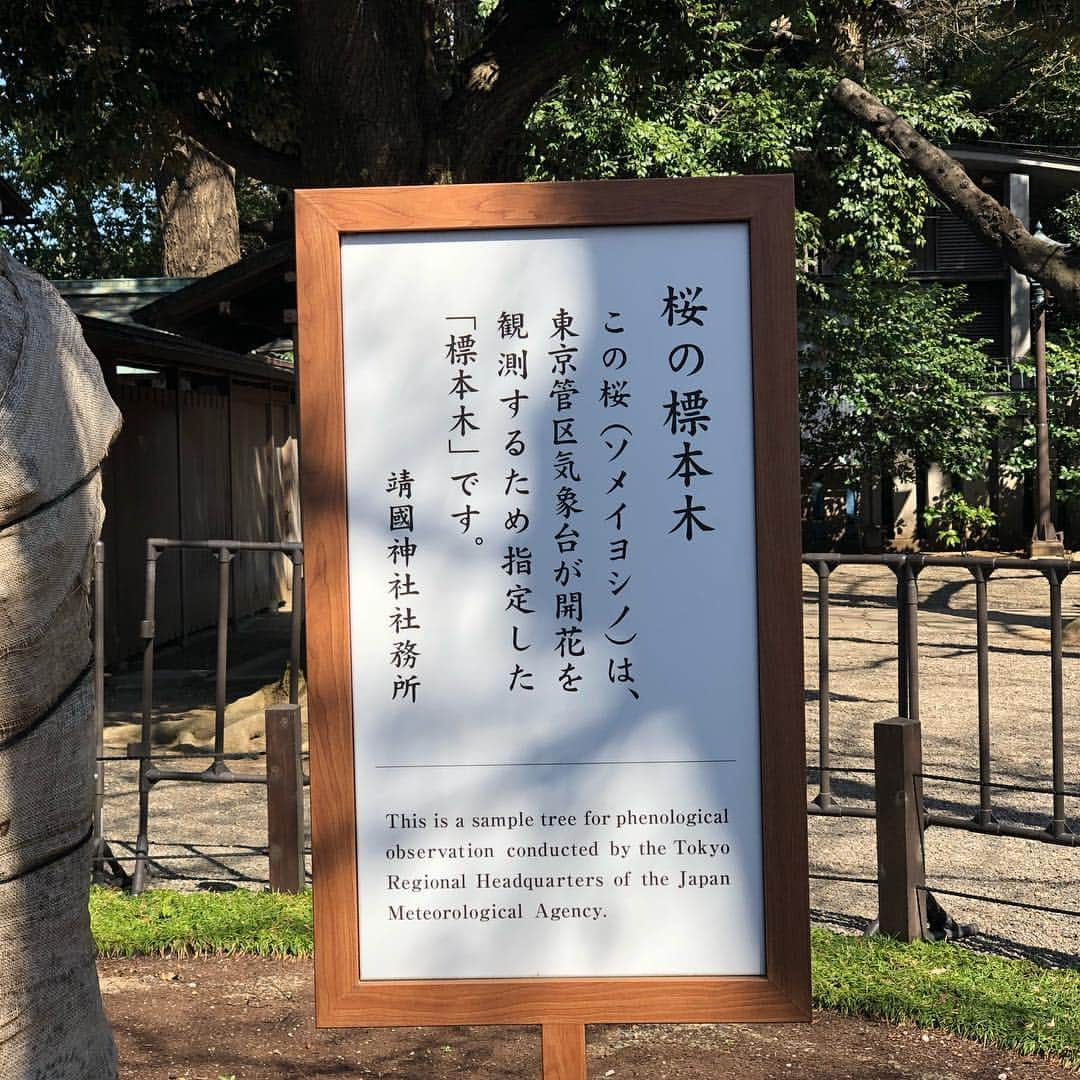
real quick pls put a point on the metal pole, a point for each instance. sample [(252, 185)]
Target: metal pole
[(1058, 827), (901, 643), (911, 639), (986, 814), (296, 626), (907, 639), (1045, 529), (99, 705), (1045, 540), (224, 556), (824, 798), (141, 750)]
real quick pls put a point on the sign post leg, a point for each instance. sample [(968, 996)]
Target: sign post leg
[(564, 1051)]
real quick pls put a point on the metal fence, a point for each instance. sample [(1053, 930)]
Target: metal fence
[(906, 568), (907, 907), (283, 775)]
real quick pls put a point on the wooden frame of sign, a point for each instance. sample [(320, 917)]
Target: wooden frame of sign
[(562, 1005)]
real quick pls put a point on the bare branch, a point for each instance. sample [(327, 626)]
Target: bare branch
[(945, 177)]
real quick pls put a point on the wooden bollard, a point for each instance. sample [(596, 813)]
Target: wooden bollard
[(898, 789), (285, 798)]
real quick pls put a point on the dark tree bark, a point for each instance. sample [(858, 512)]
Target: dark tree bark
[(528, 49), (368, 90), (998, 226), (377, 105), (200, 229), (83, 212), (377, 109)]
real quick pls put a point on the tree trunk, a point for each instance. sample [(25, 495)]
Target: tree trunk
[(56, 423), (379, 103), (200, 229), (922, 498), (946, 178), (373, 102), (528, 48), (82, 211), (369, 96)]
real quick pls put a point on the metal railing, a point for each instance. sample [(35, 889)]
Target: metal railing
[(906, 569), (282, 775)]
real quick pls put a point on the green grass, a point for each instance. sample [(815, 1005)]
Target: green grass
[(162, 921), (1011, 1004)]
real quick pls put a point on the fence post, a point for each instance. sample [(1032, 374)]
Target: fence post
[(985, 816), (1058, 826), (284, 798), (99, 706), (141, 750), (824, 795), (898, 783), (221, 684)]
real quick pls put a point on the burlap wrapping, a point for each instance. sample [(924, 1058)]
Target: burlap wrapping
[(56, 418), (51, 1022), (45, 801), (56, 423), (47, 563)]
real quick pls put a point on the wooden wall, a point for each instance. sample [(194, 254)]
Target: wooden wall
[(141, 500), (213, 461)]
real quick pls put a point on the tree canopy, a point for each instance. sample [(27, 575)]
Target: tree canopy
[(101, 102), (924, 397), (316, 92), (313, 92)]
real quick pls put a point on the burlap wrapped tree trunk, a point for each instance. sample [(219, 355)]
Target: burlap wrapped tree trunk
[(56, 424)]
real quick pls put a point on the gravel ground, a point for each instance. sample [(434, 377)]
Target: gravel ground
[(225, 824), (201, 835)]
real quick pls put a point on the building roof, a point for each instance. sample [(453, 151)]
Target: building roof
[(116, 298), (1016, 156), (1052, 175), (132, 344), (105, 306), (243, 306)]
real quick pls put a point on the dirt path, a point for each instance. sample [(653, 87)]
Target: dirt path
[(252, 1019)]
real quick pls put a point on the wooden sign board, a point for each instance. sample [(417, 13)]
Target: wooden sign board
[(551, 517)]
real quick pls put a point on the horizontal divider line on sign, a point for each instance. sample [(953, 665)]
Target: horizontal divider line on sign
[(534, 764)]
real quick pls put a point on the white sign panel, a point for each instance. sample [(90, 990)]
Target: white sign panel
[(552, 582)]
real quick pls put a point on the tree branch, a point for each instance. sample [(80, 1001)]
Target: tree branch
[(995, 224), (242, 152), (526, 51)]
